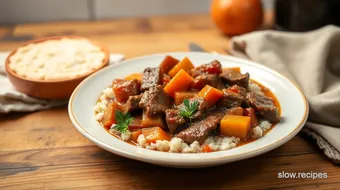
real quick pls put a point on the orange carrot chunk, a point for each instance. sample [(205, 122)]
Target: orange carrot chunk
[(184, 64), (109, 114), (237, 69), (206, 148), (137, 76), (135, 135), (155, 133), (211, 95), (235, 125), (154, 121), (168, 63), (180, 82), (180, 96)]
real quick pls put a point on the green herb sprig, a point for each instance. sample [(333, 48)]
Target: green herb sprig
[(188, 109), (123, 121)]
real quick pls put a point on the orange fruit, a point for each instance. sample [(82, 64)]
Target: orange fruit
[(235, 17)]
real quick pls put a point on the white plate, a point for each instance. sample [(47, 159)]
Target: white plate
[(293, 104)]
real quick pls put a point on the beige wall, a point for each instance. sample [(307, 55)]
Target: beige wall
[(21, 11)]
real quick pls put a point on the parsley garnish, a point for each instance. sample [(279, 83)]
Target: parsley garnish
[(123, 121), (188, 109)]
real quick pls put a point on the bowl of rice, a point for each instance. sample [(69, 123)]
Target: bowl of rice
[(52, 67)]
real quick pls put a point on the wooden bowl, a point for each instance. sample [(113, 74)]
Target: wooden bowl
[(53, 89)]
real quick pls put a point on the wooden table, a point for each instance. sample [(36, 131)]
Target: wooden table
[(42, 150)]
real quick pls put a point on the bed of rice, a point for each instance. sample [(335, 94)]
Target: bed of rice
[(215, 143)]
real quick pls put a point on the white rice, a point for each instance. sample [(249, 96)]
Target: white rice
[(163, 145), (265, 125), (221, 143), (99, 116), (253, 87), (257, 132), (141, 140), (101, 105), (178, 145), (108, 92), (126, 136)]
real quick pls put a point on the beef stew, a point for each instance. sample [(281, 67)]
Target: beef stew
[(181, 108)]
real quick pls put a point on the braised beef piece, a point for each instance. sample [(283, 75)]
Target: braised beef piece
[(205, 79), (201, 109), (230, 99), (239, 90), (214, 68), (220, 84), (166, 79), (151, 78), (264, 106), (235, 111), (234, 77), (199, 130), (132, 104), (155, 101), (122, 89), (173, 119)]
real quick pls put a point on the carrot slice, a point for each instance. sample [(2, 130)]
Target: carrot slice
[(206, 148), (180, 82), (184, 64), (238, 69), (135, 135), (211, 95), (235, 125), (168, 63), (180, 96), (155, 133), (137, 76), (152, 121), (109, 114)]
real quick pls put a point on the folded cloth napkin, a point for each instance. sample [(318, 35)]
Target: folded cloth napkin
[(312, 60), (12, 100)]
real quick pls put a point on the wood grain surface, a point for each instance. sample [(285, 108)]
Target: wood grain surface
[(42, 150)]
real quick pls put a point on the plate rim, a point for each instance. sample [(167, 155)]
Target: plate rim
[(181, 161)]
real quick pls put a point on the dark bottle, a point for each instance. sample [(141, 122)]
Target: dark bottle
[(305, 15)]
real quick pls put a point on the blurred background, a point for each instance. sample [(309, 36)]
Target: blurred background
[(24, 11)]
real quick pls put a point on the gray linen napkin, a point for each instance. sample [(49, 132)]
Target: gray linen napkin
[(12, 100), (312, 60)]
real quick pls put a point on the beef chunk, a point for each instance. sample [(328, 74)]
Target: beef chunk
[(122, 89), (173, 119), (239, 90), (151, 78), (205, 79), (200, 130), (214, 68), (230, 99), (235, 111), (155, 101), (264, 106), (234, 77), (201, 110), (132, 103)]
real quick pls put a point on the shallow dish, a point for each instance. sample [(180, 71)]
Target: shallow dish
[(50, 89), (293, 113)]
